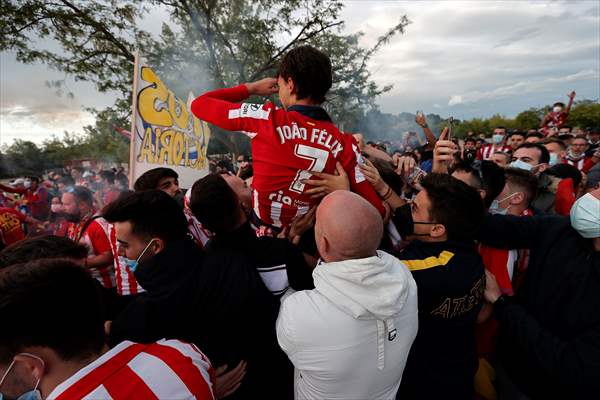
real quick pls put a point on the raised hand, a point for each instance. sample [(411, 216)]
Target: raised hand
[(373, 176), (443, 153), (263, 87)]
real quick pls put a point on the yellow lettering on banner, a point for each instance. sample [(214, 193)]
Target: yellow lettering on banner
[(157, 135), (165, 147), (153, 100), (178, 111), (177, 148), (146, 151)]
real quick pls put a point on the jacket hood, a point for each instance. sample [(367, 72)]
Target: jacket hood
[(368, 288)]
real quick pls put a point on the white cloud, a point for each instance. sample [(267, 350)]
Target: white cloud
[(521, 88)]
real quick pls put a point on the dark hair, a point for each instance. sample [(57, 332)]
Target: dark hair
[(215, 204), (560, 104), (151, 213), (518, 133), (470, 139), (41, 247), (488, 174), (564, 171), (387, 173), (501, 127), (149, 179), (524, 180), (66, 180), (454, 204), (50, 303), (535, 134), (109, 176), (83, 195), (544, 154), (566, 127), (555, 140), (310, 69)]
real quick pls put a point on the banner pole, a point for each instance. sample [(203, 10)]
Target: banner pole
[(132, 142)]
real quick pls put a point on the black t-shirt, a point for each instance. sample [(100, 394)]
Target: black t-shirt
[(450, 281)]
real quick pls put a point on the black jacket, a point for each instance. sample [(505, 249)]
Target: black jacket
[(550, 334), (450, 281), (219, 303)]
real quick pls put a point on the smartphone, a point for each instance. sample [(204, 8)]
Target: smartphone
[(450, 122)]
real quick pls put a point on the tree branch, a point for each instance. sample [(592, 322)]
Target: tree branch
[(109, 36)]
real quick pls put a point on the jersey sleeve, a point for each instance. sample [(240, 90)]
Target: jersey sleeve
[(221, 108), (98, 238), (350, 159)]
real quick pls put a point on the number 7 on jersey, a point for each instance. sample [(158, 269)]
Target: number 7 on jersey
[(318, 159)]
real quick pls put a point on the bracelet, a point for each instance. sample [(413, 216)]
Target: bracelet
[(424, 126), (388, 193)]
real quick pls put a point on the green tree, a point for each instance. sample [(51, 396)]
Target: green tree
[(206, 43), (529, 119), (585, 114)]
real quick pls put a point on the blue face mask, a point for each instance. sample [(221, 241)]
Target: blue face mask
[(520, 164), (585, 216), (495, 206), (553, 159), (133, 264), (33, 394)]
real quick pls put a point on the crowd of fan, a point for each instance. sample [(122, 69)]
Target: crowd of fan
[(478, 277)]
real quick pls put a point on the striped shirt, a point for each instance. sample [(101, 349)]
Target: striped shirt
[(167, 369), (126, 282), (95, 238)]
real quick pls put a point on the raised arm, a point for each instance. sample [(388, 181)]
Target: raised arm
[(571, 97), (420, 120), (221, 107)]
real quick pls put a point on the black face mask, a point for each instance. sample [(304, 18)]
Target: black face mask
[(404, 222)]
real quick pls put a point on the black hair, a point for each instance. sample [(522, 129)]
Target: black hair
[(544, 154), (388, 175), (470, 139), (310, 69), (524, 180), (560, 104), (66, 180), (517, 133), (535, 134), (501, 127), (109, 176), (41, 247), (152, 213), (559, 142), (215, 204), (83, 195), (489, 177), (564, 171), (149, 180), (455, 205), (50, 303)]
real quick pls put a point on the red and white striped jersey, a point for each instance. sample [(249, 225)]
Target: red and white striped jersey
[(287, 147), (486, 151), (167, 369), (96, 239), (126, 282)]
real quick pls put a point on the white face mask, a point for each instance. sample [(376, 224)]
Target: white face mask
[(27, 184), (497, 138), (495, 206), (557, 109), (585, 216), (520, 164)]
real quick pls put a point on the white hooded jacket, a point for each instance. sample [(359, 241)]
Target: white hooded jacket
[(349, 337)]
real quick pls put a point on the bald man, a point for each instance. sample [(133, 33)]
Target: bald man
[(350, 337)]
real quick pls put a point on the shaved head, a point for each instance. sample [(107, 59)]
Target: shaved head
[(347, 227)]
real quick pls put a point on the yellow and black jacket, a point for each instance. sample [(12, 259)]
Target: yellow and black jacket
[(450, 281)]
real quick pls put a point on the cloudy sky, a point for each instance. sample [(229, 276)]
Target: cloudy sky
[(461, 58)]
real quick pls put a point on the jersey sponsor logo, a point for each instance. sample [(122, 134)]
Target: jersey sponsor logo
[(280, 198), (315, 135), (248, 110), (455, 307)]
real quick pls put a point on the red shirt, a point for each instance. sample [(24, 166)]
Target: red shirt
[(286, 147), (125, 280), (11, 225), (556, 120), (167, 369), (37, 201), (485, 152), (96, 239)]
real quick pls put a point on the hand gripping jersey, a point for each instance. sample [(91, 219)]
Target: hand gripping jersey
[(287, 147)]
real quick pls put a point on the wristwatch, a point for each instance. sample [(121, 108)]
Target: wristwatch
[(503, 299)]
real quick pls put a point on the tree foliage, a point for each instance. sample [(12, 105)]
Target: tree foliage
[(205, 44)]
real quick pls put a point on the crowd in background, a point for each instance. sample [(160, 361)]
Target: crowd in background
[(465, 268)]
